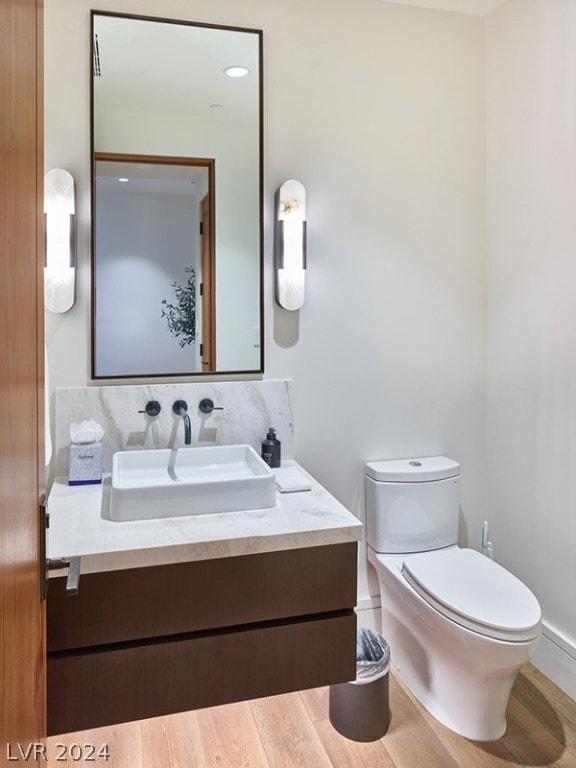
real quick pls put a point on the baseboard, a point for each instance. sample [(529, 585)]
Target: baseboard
[(555, 655), (369, 613)]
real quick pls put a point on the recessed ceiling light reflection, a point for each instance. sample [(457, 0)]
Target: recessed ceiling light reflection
[(236, 71)]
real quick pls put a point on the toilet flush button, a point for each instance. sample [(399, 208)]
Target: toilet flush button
[(415, 463)]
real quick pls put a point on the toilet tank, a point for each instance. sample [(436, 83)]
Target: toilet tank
[(412, 505)]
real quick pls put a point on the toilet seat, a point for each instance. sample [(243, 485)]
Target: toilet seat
[(475, 592)]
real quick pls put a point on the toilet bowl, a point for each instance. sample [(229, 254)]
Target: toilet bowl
[(460, 627)]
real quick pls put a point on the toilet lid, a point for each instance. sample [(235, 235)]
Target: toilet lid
[(476, 592)]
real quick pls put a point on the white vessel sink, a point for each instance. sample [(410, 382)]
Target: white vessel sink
[(189, 481)]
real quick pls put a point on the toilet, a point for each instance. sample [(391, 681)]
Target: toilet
[(460, 627)]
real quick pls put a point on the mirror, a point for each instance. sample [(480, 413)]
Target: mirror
[(176, 198)]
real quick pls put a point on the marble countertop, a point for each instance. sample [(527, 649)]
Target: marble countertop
[(79, 526)]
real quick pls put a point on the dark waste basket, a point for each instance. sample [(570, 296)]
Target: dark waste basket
[(360, 709)]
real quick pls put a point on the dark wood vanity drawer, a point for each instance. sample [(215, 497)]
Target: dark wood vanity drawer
[(120, 606), (99, 687)]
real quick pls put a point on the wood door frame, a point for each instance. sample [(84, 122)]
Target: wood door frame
[(208, 283)]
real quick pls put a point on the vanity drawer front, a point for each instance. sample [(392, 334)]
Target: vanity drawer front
[(91, 688), (121, 606)]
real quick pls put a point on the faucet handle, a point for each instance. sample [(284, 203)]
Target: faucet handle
[(153, 408), (179, 406), (207, 406)]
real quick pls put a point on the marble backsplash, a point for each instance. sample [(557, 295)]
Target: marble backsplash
[(249, 408)]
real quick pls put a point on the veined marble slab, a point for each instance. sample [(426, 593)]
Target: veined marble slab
[(79, 527), (249, 409)]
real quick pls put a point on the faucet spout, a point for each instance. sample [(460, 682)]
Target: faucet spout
[(187, 428), (180, 408)]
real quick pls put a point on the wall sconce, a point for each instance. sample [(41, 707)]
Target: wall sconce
[(59, 240), (290, 245)]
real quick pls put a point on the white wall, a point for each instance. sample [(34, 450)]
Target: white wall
[(387, 355), (531, 119), (379, 110)]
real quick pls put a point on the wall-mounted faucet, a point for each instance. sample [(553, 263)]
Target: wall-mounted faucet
[(180, 408)]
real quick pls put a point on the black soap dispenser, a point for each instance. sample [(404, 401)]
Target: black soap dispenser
[(271, 449)]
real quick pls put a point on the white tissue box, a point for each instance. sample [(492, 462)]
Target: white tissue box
[(85, 464)]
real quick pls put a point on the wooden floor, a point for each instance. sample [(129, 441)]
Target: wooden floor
[(293, 731)]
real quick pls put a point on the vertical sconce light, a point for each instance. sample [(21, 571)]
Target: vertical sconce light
[(290, 245), (59, 240)]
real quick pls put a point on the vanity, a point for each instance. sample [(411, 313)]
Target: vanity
[(181, 613)]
